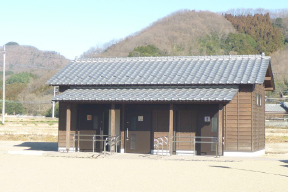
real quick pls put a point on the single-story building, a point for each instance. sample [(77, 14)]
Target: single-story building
[(200, 103), (277, 111)]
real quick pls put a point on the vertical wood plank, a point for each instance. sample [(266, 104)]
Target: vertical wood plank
[(68, 126), (171, 117), (220, 129), (112, 120), (112, 124), (123, 126), (238, 121), (252, 117)]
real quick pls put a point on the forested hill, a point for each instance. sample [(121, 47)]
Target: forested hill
[(27, 70), (180, 33), (188, 32)]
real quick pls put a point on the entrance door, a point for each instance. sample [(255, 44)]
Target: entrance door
[(137, 131), (185, 130), (91, 122), (208, 127)]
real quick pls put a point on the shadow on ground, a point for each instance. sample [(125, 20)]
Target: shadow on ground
[(39, 146), (256, 171), (284, 161)]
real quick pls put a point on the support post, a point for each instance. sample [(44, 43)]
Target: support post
[(112, 124), (220, 130), (68, 126), (171, 117), (122, 128)]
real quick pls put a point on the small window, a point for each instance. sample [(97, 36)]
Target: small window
[(260, 100), (214, 124), (257, 99)]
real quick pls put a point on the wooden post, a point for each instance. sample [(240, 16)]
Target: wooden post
[(123, 127), (171, 117), (220, 129), (112, 119), (68, 126), (112, 124)]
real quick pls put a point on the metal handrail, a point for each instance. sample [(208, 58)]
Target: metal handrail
[(194, 141), (112, 141), (76, 137), (161, 141)]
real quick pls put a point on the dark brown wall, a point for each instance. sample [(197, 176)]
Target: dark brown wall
[(258, 114), (62, 122), (244, 121), (238, 120)]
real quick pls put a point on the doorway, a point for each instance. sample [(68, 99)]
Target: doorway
[(138, 130)]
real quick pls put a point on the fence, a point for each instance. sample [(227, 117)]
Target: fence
[(108, 140)]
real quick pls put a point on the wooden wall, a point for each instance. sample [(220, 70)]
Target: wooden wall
[(244, 121), (258, 114), (62, 123)]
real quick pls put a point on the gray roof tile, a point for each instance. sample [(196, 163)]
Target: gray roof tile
[(150, 93), (165, 70), (275, 108)]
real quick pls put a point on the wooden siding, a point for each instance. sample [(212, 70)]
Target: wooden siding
[(62, 123), (244, 120), (237, 120), (258, 124)]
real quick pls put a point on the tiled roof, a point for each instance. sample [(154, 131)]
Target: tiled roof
[(165, 71), (145, 93), (274, 108), (285, 105)]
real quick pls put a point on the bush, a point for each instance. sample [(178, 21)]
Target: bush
[(49, 111), (21, 78)]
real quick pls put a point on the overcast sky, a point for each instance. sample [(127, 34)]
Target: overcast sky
[(73, 26)]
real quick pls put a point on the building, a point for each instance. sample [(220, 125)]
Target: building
[(140, 99), (276, 111)]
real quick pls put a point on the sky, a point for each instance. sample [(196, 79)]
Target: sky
[(71, 27)]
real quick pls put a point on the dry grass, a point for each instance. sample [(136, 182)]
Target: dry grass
[(276, 139), (29, 129), (28, 137)]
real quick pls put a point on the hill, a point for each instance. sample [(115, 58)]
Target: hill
[(241, 31), (27, 70), (177, 34)]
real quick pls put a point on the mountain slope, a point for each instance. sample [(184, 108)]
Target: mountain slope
[(176, 34), (29, 96)]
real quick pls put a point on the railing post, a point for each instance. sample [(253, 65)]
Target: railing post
[(194, 140), (93, 143), (74, 142)]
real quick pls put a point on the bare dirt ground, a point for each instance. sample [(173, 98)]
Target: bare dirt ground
[(126, 172), (43, 170)]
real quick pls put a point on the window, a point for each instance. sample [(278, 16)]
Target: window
[(214, 124), (258, 100)]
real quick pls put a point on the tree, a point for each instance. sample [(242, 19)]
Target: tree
[(49, 111), (146, 51), (11, 43)]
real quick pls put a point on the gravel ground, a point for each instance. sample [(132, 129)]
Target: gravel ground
[(133, 172)]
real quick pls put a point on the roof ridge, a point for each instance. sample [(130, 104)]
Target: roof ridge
[(165, 58)]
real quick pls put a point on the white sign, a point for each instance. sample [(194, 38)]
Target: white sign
[(140, 118), (207, 119)]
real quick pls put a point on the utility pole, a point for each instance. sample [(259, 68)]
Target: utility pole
[(3, 100)]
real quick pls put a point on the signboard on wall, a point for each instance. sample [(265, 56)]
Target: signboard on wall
[(140, 118), (207, 119), (89, 117)]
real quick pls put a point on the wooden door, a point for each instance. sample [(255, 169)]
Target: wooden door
[(208, 127), (90, 123), (138, 130), (185, 130)]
